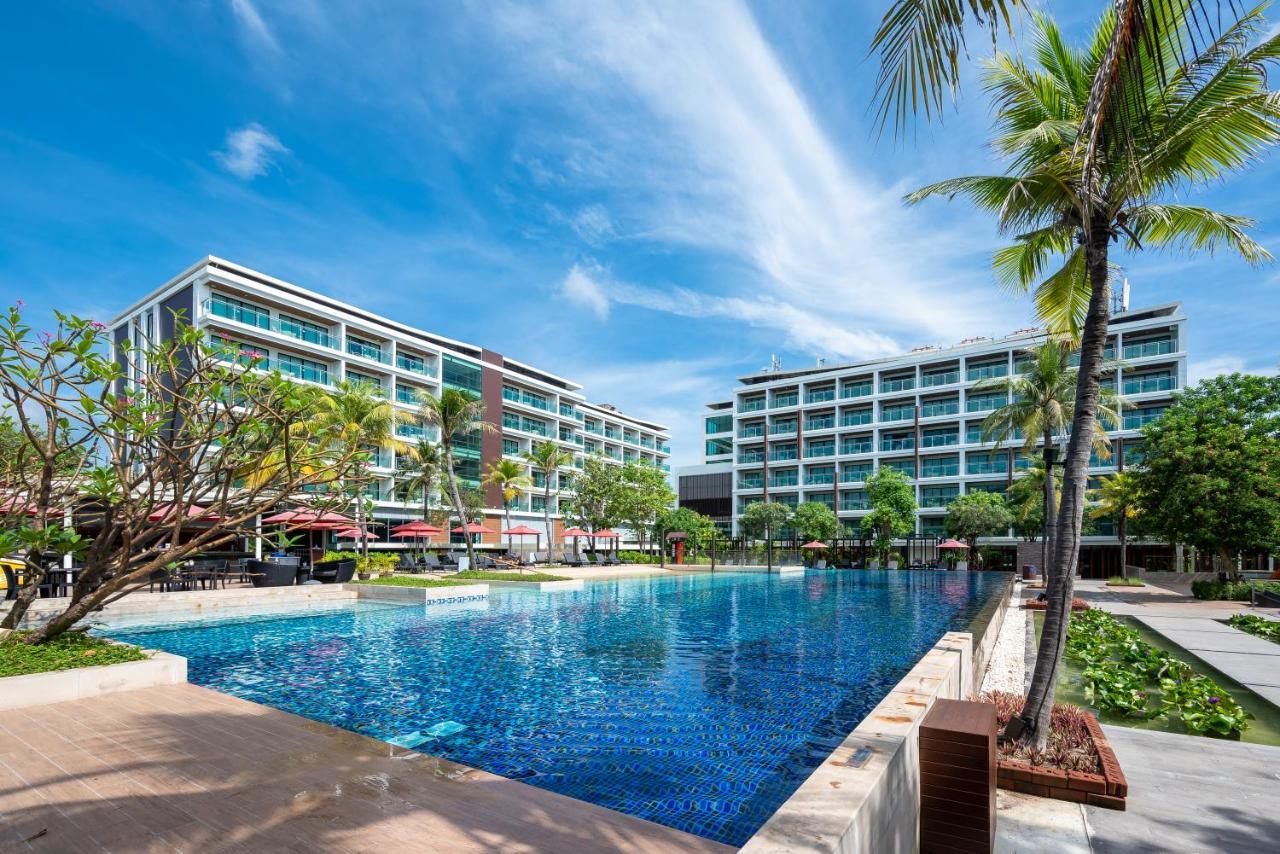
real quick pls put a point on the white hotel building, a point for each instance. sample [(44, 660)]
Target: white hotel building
[(317, 339), (817, 434)]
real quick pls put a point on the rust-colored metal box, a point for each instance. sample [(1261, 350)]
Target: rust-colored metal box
[(958, 778)]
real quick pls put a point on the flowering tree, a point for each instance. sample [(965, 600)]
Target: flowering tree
[(136, 460)]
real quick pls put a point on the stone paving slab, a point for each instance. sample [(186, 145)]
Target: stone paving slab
[(183, 768), (1250, 660), (1190, 794)]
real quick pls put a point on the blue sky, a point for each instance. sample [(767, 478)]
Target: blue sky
[(651, 201)]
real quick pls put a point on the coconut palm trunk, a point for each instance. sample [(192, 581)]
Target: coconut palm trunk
[(1071, 506), (455, 498), (546, 511), (1050, 504)]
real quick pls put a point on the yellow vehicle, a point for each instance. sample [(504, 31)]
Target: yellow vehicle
[(17, 566)]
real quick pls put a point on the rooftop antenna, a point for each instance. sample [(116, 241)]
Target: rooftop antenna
[(775, 364), (1120, 299)]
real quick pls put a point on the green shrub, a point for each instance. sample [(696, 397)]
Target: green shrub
[(332, 556), (65, 652), (1235, 591), (1121, 581)]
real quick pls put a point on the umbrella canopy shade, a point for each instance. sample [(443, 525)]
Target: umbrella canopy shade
[(677, 535), (815, 544), (165, 512), (606, 534), (295, 517), (952, 544), (416, 528), (472, 528), (410, 535), (574, 532), (15, 504), (522, 531), (355, 534)]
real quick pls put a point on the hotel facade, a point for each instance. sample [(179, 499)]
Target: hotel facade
[(819, 433), (316, 339)]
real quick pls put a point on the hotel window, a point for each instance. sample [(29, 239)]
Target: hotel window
[(715, 423), (985, 402), (826, 498), (933, 526), (304, 330), (1101, 459), (856, 445), (1134, 419), (462, 375), (821, 395), (239, 311), (783, 452), (901, 382), (413, 362), (785, 426), (239, 351), (907, 467), (1144, 383), (946, 406), (938, 496), (361, 347), (785, 398), (750, 479), (853, 499), (303, 369), (822, 421), (788, 500), (940, 466), (1134, 453), (1158, 346), (998, 487), (537, 502), (820, 448), (719, 447), (510, 446), (751, 404), (856, 388), (940, 437), (855, 417), (406, 393), (751, 455), (993, 463), (940, 376), (751, 431), (820, 475), (855, 472), (897, 441), (987, 370), (358, 378), (786, 477), (897, 412)]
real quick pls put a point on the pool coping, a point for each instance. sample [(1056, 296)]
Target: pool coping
[(418, 595), (78, 683), (874, 805)]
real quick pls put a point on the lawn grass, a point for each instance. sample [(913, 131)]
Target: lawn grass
[(413, 581), (482, 575), (65, 652), (1121, 581)]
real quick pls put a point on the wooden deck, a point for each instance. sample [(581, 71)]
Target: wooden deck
[(183, 768)]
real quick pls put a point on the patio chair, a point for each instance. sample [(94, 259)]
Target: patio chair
[(448, 561), (820, 564), (270, 574), (593, 559), (334, 571), (570, 559), (432, 563), (611, 559)]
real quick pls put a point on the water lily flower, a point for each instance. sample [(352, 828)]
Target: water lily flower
[(1213, 700)]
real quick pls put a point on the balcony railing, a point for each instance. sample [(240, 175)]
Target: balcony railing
[(856, 390), (522, 397), (260, 319), (751, 405), (782, 400), (821, 395), (367, 351), (1157, 347), (1142, 385), (898, 384), (947, 378), (414, 365)]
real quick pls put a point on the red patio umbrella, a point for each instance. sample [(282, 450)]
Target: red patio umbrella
[(815, 544), (952, 544), (355, 534), (575, 533), (165, 512), (416, 528), (523, 531), (17, 504), (297, 517), (472, 528)]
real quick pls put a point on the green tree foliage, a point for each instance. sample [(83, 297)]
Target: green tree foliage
[(458, 414), (594, 503), (699, 530), (1118, 498), (893, 510), (815, 521), (1211, 473), (510, 479), (977, 514), (1025, 499), (643, 494), (764, 519), (547, 458)]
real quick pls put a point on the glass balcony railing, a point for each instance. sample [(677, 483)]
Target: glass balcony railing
[(861, 389), (780, 455), (406, 395), (406, 362), (944, 407), (1143, 385), (826, 423), (897, 384), (820, 451), (523, 397), (751, 405), (894, 444), (783, 482), (751, 432), (820, 395), (751, 483), (1156, 347), (861, 446), (848, 504), (260, 318), (855, 419), (367, 351), (946, 378), (855, 474), (782, 400)]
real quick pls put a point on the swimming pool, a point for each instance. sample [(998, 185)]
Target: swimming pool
[(698, 701)]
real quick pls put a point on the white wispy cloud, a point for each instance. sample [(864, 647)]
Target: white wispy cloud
[(695, 121), (1200, 369), (253, 26), (582, 288), (249, 151)]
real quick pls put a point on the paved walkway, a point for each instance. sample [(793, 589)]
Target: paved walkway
[(182, 768)]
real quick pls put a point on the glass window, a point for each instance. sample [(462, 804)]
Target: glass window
[(938, 496), (719, 447), (897, 412), (987, 370), (940, 466), (907, 467), (933, 408), (463, 375), (856, 445), (855, 472), (715, 423), (940, 437), (992, 463), (855, 417), (304, 330), (786, 398), (856, 388), (985, 402)]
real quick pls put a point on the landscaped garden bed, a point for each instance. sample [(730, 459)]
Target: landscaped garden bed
[(1122, 581), (1255, 625), (65, 652), (1077, 604), (1077, 765), (1233, 591)]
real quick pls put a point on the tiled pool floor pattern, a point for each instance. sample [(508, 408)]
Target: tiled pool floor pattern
[(700, 702)]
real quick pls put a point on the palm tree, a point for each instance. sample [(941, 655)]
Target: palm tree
[(1072, 192), (458, 415), (1040, 400), (547, 458), (421, 470), (1119, 498), (356, 418), (509, 477)]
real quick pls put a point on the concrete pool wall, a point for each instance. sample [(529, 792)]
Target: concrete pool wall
[(873, 805)]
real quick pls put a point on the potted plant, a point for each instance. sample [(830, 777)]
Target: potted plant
[(282, 543), (364, 566), (385, 564)]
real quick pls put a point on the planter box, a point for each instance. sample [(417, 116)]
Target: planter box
[(1108, 789), (59, 686)]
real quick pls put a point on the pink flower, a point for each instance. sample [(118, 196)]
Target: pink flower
[(20, 303), (97, 325)]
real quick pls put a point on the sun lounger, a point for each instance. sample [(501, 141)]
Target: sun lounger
[(569, 559)]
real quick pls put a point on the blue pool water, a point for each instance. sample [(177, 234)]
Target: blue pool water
[(698, 701)]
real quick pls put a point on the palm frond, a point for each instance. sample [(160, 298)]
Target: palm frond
[(1062, 299), (1190, 227)]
